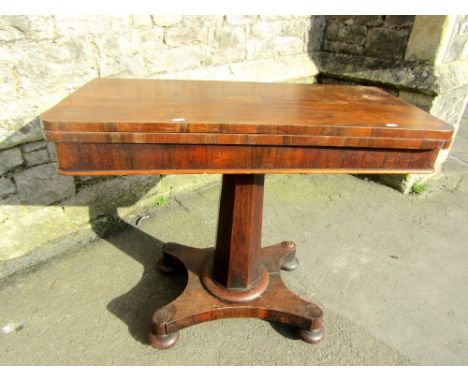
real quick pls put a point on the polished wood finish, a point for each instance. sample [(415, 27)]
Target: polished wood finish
[(247, 139), (239, 238), (242, 130), (219, 107), (196, 305), (130, 159)]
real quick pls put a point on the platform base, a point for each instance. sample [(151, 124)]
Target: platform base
[(197, 304)]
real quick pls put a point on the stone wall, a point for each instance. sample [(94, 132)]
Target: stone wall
[(362, 49), (44, 58), (421, 59), (383, 37)]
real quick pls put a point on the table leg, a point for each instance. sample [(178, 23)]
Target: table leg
[(237, 278)]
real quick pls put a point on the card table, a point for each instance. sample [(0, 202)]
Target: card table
[(242, 130)]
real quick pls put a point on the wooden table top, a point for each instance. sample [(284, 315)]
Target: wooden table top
[(227, 111)]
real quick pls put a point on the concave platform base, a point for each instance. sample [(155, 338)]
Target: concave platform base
[(272, 302)]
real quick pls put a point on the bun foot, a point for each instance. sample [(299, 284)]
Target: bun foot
[(289, 260), (311, 336), (169, 263), (163, 341), (291, 265), (165, 267)]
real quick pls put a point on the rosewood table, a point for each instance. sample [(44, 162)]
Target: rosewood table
[(241, 130)]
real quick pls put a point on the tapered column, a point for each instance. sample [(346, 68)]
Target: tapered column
[(236, 263)]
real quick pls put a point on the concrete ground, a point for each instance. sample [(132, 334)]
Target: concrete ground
[(390, 271)]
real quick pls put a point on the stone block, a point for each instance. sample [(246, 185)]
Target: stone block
[(80, 26), (52, 151), (462, 28), (141, 21), (7, 187), (13, 28), (296, 27), (175, 37), (426, 36), (450, 106), (34, 231), (8, 82), (332, 29), (213, 73), (281, 68), (8, 33), (369, 20), (266, 29), (316, 33), (10, 206), (146, 40), (227, 44), (229, 38), (90, 179), (351, 34), (399, 21), (457, 48), (33, 146), (165, 21), (240, 20), (8, 85), (9, 159), (342, 47), (41, 185), (342, 19), (201, 21), (132, 61), (420, 78), (114, 52), (337, 81), (43, 66), (422, 101), (19, 127), (386, 43), (288, 45), (260, 48), (271, 17), (175, 59), (37, 157)]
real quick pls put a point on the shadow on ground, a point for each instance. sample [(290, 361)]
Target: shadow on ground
[(136, 307), (154, 290)]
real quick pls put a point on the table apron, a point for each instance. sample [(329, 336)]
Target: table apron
[(124, 158)]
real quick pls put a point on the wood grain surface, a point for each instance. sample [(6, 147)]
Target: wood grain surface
[(131, 159), (116, 105)]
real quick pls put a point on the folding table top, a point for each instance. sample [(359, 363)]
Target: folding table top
[(216, 112)]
